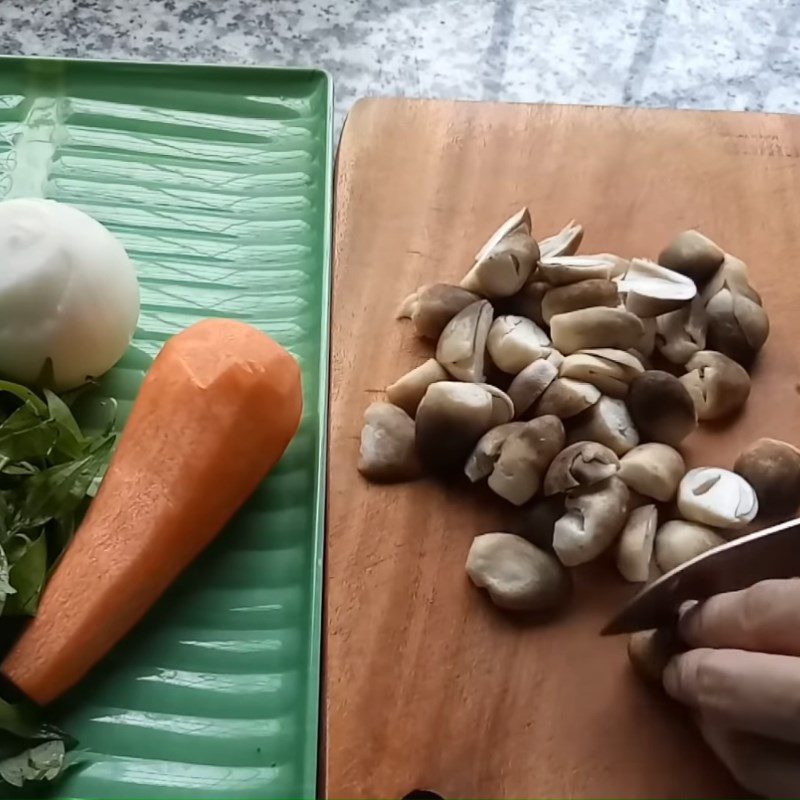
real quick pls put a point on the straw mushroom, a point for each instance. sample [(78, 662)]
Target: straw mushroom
[(609, 423), (536, 520), (387, 445), (650, 652), (518, 575), (594, 518), (610, 370), (515, 342), (430, 308), (717, 384), (737, 325), (566, 398), (502, 407), (484, 457), (734, 276), (595, 327), (772, 468), (527, 302), (651, 289), (717, 497), (506, 261), (529, 385), (580, 465), (635, 546), (462, 346), (679, 541), (584, 294), (661, 407), (653, 470), (407, 391), (561, 270), (564, 243), (692, 254), (450, 419), (682, 333)]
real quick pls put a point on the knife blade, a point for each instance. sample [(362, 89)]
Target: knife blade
[(773, 552)]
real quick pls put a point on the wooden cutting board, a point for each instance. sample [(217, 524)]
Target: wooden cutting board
[(427, 685)]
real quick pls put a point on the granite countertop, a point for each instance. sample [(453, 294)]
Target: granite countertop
[(677, 53)]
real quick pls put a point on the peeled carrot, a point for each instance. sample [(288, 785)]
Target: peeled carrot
[(215, 413)]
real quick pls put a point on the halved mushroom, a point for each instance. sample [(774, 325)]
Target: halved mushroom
[(462, 346), (580, 465), (483, 458), (530, 384), (653, 470), (772, 468), (595, 327), (682, 333), (607, 422), (693, 255), (430, 308), (565, 398), (732, 275), (407, 391), (562, 270), (635, 546), (515, 342), (527, 302), (387, 445), (651, 289), (502, 407), (564, 243), (661, 407), (518, 575), (679, 541), (610, 370), (593, 521), (524, 456), (584, 294), (737, 325), (717, 497), (506, 261), (647, 341), (717, 384), (650, 652), (450, 419)]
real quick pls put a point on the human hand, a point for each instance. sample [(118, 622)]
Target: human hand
[(742, 679)]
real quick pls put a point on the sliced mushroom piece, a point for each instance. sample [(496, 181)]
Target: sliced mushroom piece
[(772, 468), (610, 370), (584, 294), (580, 465), (387, 445), (737, 325), (515, 342), (717, 497), (462, 346), (679, 541), (536, 520), (647, 341), (562, 270), (651, 289), (682, 333), (593, 521), (693, 255), (502, 407), (732, 275), (595, 327), (450, 419), (518, 575), (564, 243), (527, 302), (650, 652), (530, 384), (566, 398), (407, 391), (524, 457), (483, 458), (506, 261), (609, 423), (430, 308), (661, 407), (653, 470), (635, 546), (717, 384)]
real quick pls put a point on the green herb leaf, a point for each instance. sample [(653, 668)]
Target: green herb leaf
[(27, 576), (29, 397), (5, 586)]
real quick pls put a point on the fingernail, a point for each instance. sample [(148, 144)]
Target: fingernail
[(687, 615)]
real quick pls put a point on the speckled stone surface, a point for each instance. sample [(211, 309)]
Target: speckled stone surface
[(736, 54)]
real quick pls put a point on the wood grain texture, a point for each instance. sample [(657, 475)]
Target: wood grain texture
[(427, 686)]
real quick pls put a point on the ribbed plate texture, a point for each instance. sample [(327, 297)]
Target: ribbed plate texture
[(217, 182)]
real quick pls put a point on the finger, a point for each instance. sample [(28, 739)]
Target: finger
[(754, 692), (764, 767), (764, 618)]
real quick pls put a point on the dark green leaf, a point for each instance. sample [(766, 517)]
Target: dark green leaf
[(27, 576), (40, 763), (6, 588), (24, 436), (27, 396)]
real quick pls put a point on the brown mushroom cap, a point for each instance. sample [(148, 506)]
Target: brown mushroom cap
[(609, 423), (536, 520), (717, 384), (584, 294), (737, 325), (580, 465), (653, 470), (661, 408), (693, 255), (682, 333), (432, 307), (530, 384), (387, 445), (527, 302), (772, 468), (566, 398)]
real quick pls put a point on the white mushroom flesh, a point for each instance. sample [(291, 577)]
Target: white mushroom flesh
[(682, 333), (563, 243), (566, 398), (483, 458), (529, 385), (595, 327), (462, 346), (651, 289), (679, 541), (515, 342), (717, 497), (562, 270), (635, 546), (611, 371), (430, 308), (407, 391), (580, 465), (609, 423), (653, 470)]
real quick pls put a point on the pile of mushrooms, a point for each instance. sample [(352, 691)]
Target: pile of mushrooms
[(568, 383)]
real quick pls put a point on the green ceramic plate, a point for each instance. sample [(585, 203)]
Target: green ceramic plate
[(218, 182)]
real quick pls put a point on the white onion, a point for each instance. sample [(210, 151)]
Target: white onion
[(68, 293)]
